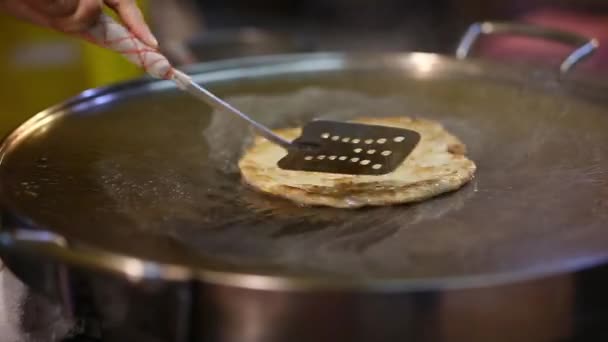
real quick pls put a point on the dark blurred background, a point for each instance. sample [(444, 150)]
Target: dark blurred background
[(429, 25), (41, 68)]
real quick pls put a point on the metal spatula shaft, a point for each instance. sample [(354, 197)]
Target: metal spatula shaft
[(325, 146)]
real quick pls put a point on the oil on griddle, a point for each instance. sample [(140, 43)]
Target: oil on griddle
[(156, 176)]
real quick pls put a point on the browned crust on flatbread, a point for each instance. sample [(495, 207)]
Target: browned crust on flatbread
[(420, 177)]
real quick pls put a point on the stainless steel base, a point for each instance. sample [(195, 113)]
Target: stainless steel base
[(571, 307)]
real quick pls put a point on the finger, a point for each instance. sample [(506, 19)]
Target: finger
[(131, 16), (86, 15), (54, 8), (23, 11)]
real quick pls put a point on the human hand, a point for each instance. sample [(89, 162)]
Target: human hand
[(77, 16)]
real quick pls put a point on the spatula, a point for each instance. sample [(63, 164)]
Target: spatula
[(324, 146)]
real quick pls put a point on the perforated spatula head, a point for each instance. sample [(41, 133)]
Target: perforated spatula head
[(350, 148)]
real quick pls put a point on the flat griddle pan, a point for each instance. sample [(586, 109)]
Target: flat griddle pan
[(142, 173)]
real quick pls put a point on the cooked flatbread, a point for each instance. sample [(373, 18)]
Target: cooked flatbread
[(437, 165)]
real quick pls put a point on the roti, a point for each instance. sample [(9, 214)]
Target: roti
[(437, 165)]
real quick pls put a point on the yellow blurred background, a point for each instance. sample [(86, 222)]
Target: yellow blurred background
[(41, 68)]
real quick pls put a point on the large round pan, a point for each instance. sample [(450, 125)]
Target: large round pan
[(139, 182)]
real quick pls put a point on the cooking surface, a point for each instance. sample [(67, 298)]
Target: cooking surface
[(152, 173)]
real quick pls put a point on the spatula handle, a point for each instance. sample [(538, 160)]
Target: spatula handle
[(110, 34)]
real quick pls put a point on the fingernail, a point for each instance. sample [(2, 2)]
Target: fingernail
[(146, 35), (153, 40)]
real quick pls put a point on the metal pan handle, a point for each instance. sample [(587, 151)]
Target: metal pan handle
[(585, 47), (44, 244)]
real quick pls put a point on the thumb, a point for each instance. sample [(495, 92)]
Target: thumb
[(54, 8), (131, 16), (75, 16)]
